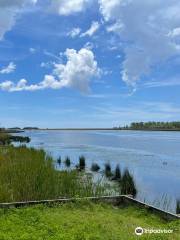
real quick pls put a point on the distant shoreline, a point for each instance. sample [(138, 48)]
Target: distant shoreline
[(102, 129)]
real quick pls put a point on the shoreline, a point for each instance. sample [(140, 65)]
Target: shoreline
[(101, 129)]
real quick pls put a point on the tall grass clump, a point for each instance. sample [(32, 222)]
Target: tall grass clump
[(127, 184), (82, 162), (178, 206), (67, 162), (59, 160), (107, 171), (95, 167), (27, 174), (117, 174)]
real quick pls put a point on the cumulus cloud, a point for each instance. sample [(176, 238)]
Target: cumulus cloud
[(68, 7), (92, 30), (74, 32), (9, 69), (8, 12), (77, 72), (151, 30)]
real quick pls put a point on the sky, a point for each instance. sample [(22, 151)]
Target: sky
[(89, 63)]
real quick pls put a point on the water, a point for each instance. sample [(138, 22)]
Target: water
[(152, 157)]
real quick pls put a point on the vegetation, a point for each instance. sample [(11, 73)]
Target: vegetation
[(6, 139), (81, 221), (59, 160), (127, 184), (178, 207), (153, 126), (67, 162), (107, 171), (117, 174), (29, 174), (95, 167), (82, 162)]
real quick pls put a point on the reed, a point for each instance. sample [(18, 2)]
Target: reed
[(107, 171), (178, 206), (82, 162), (127, 184), (59, 160), (27, 174), (117, 174), (95, 167), (67, 162)]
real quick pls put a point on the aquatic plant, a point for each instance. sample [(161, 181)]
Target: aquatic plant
[(82, 162), (117, 173), (107, 171), (127, 184), (67, 162), (95, 167), (178, 206), (59, 160)]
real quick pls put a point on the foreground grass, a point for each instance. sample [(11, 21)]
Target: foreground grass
[(81, 221), (28, 174)]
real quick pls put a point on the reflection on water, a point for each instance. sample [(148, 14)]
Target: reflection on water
[(152, 157)]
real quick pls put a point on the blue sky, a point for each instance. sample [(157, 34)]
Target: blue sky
[(89, 63)]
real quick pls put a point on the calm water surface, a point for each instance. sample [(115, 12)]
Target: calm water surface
[(152, 157)]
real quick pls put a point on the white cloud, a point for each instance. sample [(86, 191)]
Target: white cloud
[(9, 69), (32, 50), (74, 32), (93, 29), (79, 69), (68, 7), (8, 12), (150, 30)]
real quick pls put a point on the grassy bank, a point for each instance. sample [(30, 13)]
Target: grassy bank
[(81, 221)]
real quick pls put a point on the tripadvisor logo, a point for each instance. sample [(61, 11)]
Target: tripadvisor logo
[(139, 231)]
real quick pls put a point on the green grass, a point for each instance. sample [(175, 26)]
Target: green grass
[(28, 174), (81, 221)]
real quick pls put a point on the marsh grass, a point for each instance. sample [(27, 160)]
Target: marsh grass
[(107, 171), (178, 206), (117, 173), (28, 174), (82, 162), (127, 184), (95, 167), (6, 139), (59, 160), (67, 162)]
